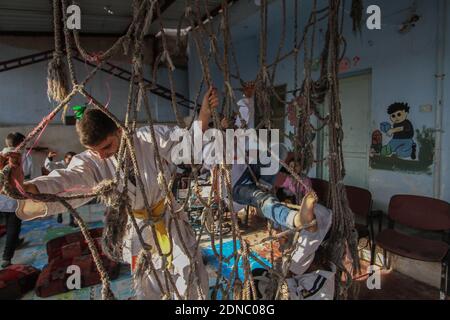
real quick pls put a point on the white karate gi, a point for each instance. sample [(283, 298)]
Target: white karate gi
[(54, 165), (86, 171), (317, 285), (27, 162), (247, 112)]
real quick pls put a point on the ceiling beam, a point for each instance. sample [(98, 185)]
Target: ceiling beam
[(7, 12), (51, 34), (108, 67), (166, 5), (213, 13)]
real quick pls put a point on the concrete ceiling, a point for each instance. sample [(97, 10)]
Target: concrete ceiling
[(105, 17), (112, 17)]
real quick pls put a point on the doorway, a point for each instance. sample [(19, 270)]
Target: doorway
[(355, 96)]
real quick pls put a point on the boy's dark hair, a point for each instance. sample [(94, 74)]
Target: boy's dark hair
[(398, 106), (94, 127), (70, 153), (14, 139)]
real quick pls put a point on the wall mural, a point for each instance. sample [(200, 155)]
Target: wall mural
[(346, 64), (398, 146)]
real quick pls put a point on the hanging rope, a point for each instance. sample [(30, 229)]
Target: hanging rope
[(357, 15), (57, 83), (343, 232), (307, 99)]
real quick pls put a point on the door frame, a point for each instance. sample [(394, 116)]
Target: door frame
[(320, 152)]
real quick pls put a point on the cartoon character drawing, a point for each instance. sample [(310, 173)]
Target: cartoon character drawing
[(402, 132)]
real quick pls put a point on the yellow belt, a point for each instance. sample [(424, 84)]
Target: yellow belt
[(161, 231)]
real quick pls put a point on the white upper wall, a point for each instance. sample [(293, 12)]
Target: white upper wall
[(24, 102), (23, 91)]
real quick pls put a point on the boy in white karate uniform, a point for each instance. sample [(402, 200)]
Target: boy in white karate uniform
[(100, 135), (50, 164), (309, 276), (8, 206)]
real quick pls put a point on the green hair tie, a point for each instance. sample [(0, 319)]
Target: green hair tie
[(79, 111)]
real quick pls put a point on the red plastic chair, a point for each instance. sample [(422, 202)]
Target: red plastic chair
[(360, 202), (420, 213), (321, 188)]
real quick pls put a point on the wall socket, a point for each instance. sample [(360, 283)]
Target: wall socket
[(426, 108)]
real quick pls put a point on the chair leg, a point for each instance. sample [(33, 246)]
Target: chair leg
[(447, 266), (369, 243), (371, 231), (247, 213), (372, 253), (372, 245), (380, 222), (387, 262), (444, 280)]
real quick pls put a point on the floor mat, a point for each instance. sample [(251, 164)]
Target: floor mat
[(227, 266), (38, 232)]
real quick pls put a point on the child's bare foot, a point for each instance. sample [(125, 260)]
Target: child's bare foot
[(306, 214)]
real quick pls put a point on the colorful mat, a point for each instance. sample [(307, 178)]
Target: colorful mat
[(38, 232), (227, 266)]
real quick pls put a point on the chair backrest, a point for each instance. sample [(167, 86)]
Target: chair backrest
[(280, 178), (420, 212), (360, 200), (321, 188)]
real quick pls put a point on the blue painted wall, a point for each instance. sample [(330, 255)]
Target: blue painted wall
[(446, 117), (403, 68)]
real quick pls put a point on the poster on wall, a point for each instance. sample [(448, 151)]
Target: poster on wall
[(399, 145)]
